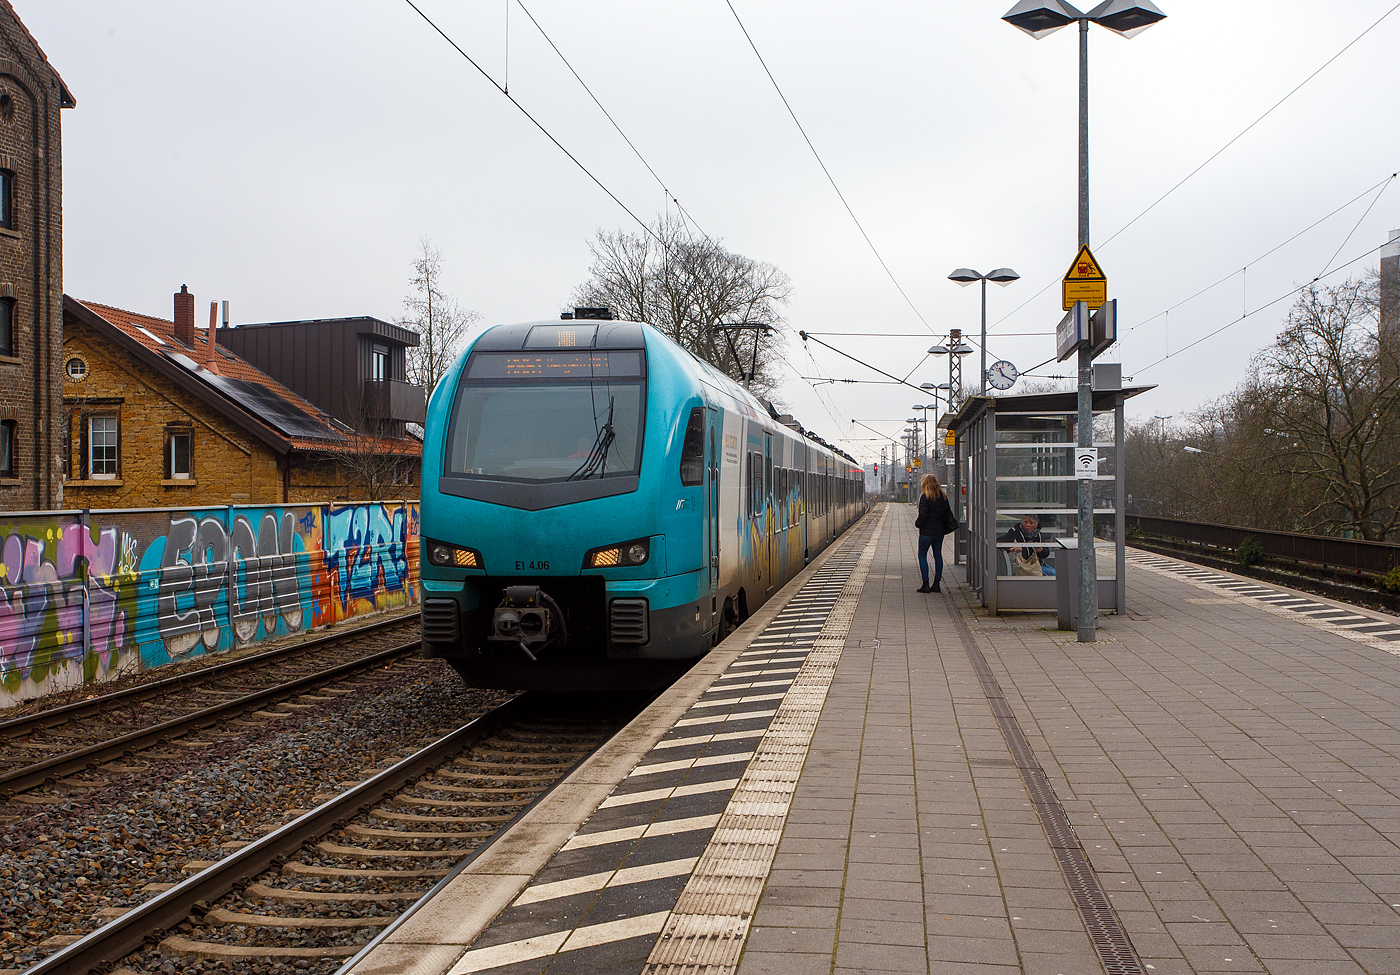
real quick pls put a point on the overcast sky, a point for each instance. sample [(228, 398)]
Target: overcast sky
[(288, 156)]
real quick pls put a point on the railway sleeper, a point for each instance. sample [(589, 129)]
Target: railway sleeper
[(324, 896), (365, 853), (177, 945), (413, 834), (315, 870), (220, 916)]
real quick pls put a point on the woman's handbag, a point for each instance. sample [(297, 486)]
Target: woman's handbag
[(950, 523), (1023, 566)]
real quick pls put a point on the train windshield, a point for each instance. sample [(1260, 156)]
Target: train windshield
[(546, 429)]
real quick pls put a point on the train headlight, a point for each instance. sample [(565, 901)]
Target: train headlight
[(620, 555), (443, 554)]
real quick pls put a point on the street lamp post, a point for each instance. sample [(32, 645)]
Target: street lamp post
[(1002, 276), (954, 350), (1040, 18), (937, 390)]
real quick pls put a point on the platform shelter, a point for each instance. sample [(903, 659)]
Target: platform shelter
[(1015, 459)]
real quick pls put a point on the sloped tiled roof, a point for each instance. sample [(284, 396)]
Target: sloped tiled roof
[(264, 400)]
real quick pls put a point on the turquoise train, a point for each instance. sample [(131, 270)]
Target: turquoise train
[(600, 507)]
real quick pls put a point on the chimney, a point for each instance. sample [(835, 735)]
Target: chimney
[(184, 317), (1390, 286), (210, 337)]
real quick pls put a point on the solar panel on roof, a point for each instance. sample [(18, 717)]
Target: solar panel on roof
[(271, 408)]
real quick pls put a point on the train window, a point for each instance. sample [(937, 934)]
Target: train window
[(748, 483), (693, 449), (546, 431), (755, 483)]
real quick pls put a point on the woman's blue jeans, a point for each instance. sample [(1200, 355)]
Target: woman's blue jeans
[(934, 542)]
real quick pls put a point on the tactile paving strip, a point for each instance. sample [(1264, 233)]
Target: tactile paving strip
[(1373, 631), (705, 933)]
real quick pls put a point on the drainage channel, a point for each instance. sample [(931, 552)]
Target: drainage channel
[(1106, 934)]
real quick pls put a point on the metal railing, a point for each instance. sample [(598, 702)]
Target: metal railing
[(1337, 553)]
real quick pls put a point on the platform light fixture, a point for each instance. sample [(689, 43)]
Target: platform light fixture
[(1040, 18), (1003, 276)]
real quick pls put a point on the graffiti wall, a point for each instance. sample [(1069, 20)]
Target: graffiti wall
[(88, 595)]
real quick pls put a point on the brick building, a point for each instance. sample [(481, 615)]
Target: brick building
[(159, 414), (31, 269)]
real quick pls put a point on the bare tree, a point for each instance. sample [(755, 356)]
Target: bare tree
[(441, 323), (1329, 392), (685, 286), (378, 463)]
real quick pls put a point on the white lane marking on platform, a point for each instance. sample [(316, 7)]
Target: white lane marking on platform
[(590, 936), (611, 878), (721, 718), (748, 685), (667, 827), (695, 789), (702, 739), (1282, 605), (609, 931), (709, 700), (482, 959), (641, 770)]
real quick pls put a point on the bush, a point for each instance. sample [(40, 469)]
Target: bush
[(1390, 582), (1250, 552)]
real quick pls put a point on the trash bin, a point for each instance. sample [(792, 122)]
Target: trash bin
[(1066, 557)]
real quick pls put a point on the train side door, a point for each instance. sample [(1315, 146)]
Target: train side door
[(770, 534), (712, 498)]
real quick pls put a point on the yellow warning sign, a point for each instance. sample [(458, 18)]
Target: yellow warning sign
[(1084, 281), (949, 439)]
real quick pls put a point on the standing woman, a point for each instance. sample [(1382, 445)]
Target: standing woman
[(934, 521)]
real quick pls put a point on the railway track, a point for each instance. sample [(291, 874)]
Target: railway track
[(70, 743), (311, 892)]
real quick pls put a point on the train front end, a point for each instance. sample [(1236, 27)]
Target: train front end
[(544, 558)]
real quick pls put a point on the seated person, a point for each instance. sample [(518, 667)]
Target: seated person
[(1028, 561)]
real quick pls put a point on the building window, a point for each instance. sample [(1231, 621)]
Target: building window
[(7, 199), (177, 455), (379, 362), (76, 369), (102, 447), (7, 448), (7, 326)]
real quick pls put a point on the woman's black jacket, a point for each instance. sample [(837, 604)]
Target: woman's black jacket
[(935, 515)]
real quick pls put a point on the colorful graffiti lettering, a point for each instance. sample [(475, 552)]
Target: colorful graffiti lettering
[(79, 602)]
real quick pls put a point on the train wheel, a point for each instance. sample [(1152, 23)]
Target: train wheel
[(728, 622)]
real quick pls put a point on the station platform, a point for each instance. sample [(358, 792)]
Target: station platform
[(867, 779)]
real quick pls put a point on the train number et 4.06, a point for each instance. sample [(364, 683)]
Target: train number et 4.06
[(521, 565)]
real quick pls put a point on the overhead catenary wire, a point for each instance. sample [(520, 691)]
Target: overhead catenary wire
[(1268, 304), (1215, 154), (1251, 125), (1378, 186), (536, 122), (685, 214), (829, 178)]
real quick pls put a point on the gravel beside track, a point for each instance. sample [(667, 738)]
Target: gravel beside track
[(63, 864)]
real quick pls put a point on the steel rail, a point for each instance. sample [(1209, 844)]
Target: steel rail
[(29, 776), (14, 727), (149, 921)]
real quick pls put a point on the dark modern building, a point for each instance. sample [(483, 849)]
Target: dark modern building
[(353, 368)]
